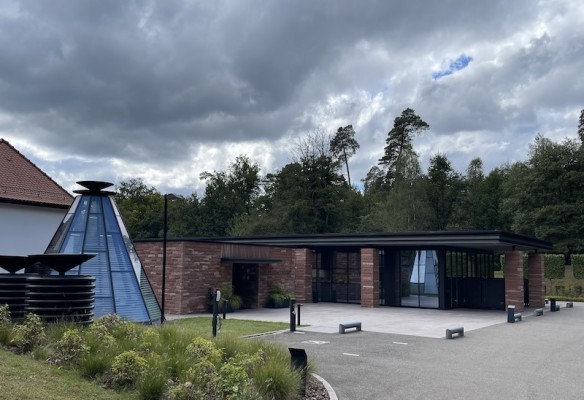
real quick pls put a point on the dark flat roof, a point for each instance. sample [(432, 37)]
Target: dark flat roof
[(479, 240)]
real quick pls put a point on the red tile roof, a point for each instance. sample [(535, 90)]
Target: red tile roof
[(21, 181)]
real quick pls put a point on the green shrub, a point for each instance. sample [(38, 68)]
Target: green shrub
[(5, 325), (71, 348), (203, 349), (127, 368), (578, 265), (29, 334), (172, 344), (276, 380), (4, 315), (234, 301), (233, 382), (554, 266), (279, 296), (152, 384)]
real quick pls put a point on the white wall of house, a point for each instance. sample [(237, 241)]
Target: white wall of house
[(27, 229)]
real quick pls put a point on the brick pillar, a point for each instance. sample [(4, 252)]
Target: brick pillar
[(513, 271), (536, 282), (369, 277), (304, 260)]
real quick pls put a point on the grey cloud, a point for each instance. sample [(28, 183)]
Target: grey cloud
[(153, 80)]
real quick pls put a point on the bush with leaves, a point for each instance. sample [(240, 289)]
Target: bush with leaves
[(29, 334), (5, 326), (127, 368), (70, 349), (203, 349), (4, 315), (554, 266), (578, 265)]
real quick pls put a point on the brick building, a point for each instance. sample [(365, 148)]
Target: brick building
[(441, 270)]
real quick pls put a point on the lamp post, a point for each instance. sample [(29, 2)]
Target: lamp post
[(167, 197)]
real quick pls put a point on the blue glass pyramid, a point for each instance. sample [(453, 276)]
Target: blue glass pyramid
[(93, 225)]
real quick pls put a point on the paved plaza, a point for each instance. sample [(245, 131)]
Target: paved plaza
[(403, 354)]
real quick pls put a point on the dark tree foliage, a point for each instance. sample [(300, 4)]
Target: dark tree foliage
[(141, 208), (442, 189), (228, 195), (399, 140), (343, 145), (479, 203), (547, 199)]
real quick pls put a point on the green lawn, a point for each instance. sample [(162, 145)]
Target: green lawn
[(201, 326), (25, 378)]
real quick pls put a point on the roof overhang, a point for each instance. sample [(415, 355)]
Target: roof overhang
[(477, 240)]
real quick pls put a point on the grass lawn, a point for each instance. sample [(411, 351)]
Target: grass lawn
[(201, 326), (25, 378)]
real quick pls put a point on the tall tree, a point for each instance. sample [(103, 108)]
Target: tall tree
[(404, 207), (399, 140), (141, 208), (442, 189), (479, 202), (548, 198), (344, 145), (229, 194)]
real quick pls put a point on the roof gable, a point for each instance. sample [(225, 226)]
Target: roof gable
[(21, 181)]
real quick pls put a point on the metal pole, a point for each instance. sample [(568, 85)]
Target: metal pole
[(164, 229), (215, 312), (298, 316), (292, 315)]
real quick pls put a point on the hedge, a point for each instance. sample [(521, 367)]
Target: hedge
[(553, 266), (578, 265)]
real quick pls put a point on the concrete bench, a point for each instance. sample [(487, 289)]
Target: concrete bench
[(538, 312), (346, 325), (451, 331)]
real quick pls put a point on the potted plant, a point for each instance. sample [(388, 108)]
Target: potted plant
[(234, 301), (279, 297)]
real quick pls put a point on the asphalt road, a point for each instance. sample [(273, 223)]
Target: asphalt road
[(537, 358)]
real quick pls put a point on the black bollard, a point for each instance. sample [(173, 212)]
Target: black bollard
[(298, 309), (225, 301), (511, 314), (292, 315), (553, 305)]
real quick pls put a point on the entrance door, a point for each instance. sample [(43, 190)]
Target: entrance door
[(245, 284)]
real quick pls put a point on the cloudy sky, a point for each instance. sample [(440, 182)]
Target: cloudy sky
[(164, 90)]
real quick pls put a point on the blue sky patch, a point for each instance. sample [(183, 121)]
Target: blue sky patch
[(456, 65)]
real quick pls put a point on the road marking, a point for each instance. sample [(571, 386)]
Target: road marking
[(351, 354), (315, 342), (400, 343)]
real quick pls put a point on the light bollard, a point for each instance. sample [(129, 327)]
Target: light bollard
[(292, 315)]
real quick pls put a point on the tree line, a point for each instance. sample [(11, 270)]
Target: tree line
[(542, 197)]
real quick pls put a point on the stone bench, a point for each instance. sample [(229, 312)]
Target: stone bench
[(451, 331), (538, 312), (346, 325)]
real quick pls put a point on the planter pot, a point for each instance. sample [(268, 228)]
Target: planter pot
[(277, 304)]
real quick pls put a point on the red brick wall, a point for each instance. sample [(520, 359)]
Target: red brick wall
[(303, 263), (194, 267), (369, 278), (536, 281), (513, 272)]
